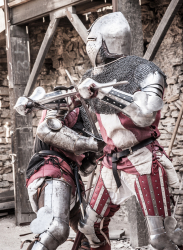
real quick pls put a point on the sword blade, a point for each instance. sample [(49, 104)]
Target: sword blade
[(93, 126)]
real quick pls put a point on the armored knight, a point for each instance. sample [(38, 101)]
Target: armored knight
[(61, 148), (128, 116)]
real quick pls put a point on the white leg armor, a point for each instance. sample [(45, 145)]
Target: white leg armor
[(52, 222), (159, 239)]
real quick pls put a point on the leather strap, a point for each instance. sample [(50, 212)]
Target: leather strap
[(59, 154), (117, 156)]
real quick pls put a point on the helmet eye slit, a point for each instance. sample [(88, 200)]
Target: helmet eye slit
[(91, 39)]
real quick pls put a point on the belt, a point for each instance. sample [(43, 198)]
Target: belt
[(59, 154), (117, 156)]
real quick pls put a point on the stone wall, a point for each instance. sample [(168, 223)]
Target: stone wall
[(169, 59), (6, 175), (68, 51)]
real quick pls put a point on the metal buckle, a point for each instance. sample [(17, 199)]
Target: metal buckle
[(131, 152)]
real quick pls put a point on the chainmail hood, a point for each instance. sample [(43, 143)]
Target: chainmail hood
[(133, 69)]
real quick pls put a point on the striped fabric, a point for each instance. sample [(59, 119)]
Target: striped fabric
[(119, 133)]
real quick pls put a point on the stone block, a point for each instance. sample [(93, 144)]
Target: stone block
[(4, 91), (5, 113), (4, 184), (165, 136), (2, 129), (8, 177), (5, 83), (61, 80), (66, 37), (4, 157), (67, 60), (56, 63), (168, 121), (7, 164), (7, 170), (3, 140), (175, 113), (178, 151), (4, 104)]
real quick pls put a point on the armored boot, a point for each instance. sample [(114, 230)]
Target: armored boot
[(159, 239)]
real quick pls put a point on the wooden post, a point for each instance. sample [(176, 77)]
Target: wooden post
[(132, 12), (162, 29), (22, 137), (41, 55)]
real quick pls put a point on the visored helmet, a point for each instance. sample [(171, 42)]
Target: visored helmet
[(109, 37)]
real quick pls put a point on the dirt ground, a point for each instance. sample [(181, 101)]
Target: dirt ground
[(10, 238)]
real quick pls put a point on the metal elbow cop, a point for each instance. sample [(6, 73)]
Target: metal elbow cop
[(52, 132)]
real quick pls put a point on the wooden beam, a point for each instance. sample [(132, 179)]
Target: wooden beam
[(8, 43), (55, 18), (7, 205), (132, 11), (38, 8), (22, 136), (17, 2), (162, 29), (91, 6), (78, 25)]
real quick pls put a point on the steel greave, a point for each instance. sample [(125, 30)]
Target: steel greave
[(157, 234), (57, 197), (86, 226)]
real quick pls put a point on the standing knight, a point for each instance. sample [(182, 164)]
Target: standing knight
[(61, 148), (128, 117)]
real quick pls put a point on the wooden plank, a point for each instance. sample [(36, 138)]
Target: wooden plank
[(41, 55), (38, 8), (17, 2), (7, 196), (162, 29), (91, 6), (22, 137), (78, 25), (7, 205)]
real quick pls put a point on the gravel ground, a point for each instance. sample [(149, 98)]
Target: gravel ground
[(10, 238)]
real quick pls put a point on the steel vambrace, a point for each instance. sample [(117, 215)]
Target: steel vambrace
[(65, 138)]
